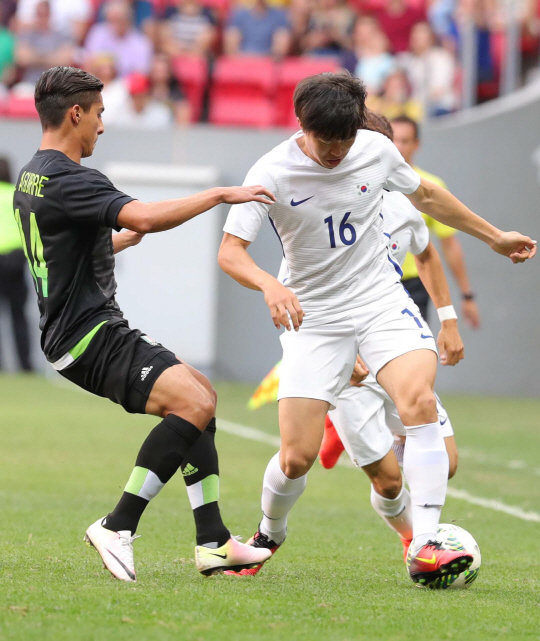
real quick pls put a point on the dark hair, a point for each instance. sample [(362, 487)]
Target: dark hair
[(379, 123), (5, 171), (59, 88), (409, 121), (331, 105)]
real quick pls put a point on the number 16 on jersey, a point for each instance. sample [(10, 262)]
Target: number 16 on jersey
[(344, 226)]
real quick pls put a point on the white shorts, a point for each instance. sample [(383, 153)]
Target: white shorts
[(318, 361), (367, 421)]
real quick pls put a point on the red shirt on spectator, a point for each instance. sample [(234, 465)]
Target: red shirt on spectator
[(397, 18)]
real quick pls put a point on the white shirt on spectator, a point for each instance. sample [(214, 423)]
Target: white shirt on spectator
[(154, 116), (432, 77), (63, 13)]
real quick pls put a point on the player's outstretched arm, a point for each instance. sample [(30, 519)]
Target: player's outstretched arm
[(446, 208), (125, 239), (147, 218), (432, 275), (235, 261)]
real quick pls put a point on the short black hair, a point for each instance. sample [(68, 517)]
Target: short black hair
[(409, 121), (5, 170), (331, 105), (379, 123), (59, 88)]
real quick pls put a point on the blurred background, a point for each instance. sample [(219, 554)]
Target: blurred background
[(196, 91)]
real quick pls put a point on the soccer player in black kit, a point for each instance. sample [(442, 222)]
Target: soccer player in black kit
[(65, 213)]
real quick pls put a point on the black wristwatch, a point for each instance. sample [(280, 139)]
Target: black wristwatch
[(468, 296)]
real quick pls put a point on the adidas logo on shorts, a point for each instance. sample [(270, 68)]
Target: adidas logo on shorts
[(145, 371)]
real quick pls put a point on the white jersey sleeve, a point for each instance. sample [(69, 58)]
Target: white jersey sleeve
[(399, 175), (246, 219), (419, 233)]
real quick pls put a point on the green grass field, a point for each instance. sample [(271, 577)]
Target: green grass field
[(66, 456)]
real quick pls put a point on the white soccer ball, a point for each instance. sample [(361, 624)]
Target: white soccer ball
[(453, 537)]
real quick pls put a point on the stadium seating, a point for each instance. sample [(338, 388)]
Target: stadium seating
[(242, 91), (290, 72), (21, 107), (192, 74)]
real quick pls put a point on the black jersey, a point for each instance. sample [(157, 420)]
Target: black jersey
[(65, 213)]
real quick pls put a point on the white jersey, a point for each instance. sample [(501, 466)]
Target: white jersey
[(404, 228), (329, 221)]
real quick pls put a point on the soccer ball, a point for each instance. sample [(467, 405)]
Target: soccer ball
[(453, 537)]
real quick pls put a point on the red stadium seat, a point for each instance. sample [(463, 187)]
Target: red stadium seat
[(192, 73), (291, 72), (21, 107), (239, 76), (242, 111)]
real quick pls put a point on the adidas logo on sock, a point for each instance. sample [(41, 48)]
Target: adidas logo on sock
[(189, 470), (145, 371)]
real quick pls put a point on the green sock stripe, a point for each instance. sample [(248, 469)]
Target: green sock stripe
[(84, 342), (210, 488), (136, 480)]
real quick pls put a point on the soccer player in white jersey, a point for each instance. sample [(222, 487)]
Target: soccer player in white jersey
[(344, 295)]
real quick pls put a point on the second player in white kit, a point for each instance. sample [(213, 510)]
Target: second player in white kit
[(344, 291)]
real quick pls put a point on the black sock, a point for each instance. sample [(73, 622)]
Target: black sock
[(159, 458), (201, 473)]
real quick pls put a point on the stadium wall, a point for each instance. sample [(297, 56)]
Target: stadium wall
[(487, 155)]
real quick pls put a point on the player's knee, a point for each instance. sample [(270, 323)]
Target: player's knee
[(296, 464), (418, 408), (387, 486)]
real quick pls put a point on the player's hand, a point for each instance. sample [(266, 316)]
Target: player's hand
[(237, 195), (132, 237), (469, 311), (282, 303), (360, 373), (450, 345), (515, 246)]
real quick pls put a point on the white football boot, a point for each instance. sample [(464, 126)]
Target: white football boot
[(115, 548), (233, 556)]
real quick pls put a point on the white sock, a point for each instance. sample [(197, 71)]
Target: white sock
[(425, 465), (279, 495), (396, 513)]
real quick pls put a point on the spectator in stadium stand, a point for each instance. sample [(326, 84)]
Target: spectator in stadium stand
[(431, 71), (144, 15), (7, 11), (115, 92), (69, 17), (375, 62), (13, 284), (395, 99), (329, 28), (166, 89), (143, 111), (397, 19), (40, 46), (188, 28), (7, 56), (118, 36), (258, 30)]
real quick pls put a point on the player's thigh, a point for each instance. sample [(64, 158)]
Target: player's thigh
[(199, 376), (301, 426), (317, 361), (359, 419), (385, 475), (178, 391), (451, 448)]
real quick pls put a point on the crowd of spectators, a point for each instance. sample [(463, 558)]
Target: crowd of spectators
[(406, 51)]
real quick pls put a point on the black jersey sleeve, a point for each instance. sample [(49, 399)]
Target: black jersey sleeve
[(93, 199)]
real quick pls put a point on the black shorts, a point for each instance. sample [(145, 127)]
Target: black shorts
[(419, 294), (121, 364)]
